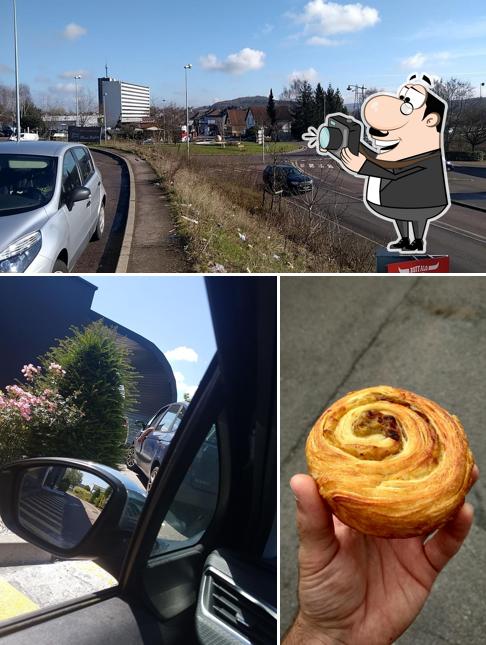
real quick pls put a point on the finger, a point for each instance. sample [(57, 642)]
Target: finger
[(318, 544), (345, 154), (448, 540)]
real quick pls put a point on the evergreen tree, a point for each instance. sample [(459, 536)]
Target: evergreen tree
[(272, 114), (102, 383), (304, 110), (320, 110)]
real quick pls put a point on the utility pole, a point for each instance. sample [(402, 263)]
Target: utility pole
[(186, 67), (17, 88), (357, 91), (163, 113), (76, 79)]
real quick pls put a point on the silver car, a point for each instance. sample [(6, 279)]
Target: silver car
[(52, 203)]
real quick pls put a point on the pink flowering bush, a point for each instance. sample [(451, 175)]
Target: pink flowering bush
[(34, 417)]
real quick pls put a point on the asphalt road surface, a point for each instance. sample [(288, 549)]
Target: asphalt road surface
[(461, 233), (425, 334), (102, 256)]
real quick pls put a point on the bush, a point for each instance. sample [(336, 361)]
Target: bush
[(102, 384), (82, 493), (34, 415)]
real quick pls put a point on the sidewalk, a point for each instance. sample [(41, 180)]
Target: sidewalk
[(151, 243), (427, 335)]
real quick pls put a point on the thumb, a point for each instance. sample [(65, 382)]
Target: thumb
[(318, 543)]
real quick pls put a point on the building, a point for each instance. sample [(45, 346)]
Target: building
[(235, 122), (41, 310), (123, 102)]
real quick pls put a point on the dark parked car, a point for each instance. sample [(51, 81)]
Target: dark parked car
[(150, 447), (450, 165), (213, 580), (286, 179)]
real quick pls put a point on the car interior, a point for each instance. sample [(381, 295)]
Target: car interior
[(201, 563)]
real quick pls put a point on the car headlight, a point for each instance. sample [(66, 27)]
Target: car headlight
[(17, 257)]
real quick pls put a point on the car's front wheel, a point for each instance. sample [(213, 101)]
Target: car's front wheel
[(100, 226), (153, 475), (59, 267), (130, 458)]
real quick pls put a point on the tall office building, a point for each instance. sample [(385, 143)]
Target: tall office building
[(124, 102)]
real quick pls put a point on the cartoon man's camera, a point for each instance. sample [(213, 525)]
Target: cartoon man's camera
[(406, 178)]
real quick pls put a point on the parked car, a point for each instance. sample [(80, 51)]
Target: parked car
[(150, 447), (25, 136), (52, 203), (450, 165), (286, 179), (215, 581), (7, 131)]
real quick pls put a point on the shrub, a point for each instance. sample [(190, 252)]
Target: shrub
[(34, 415), (101, 382), (82, 493)]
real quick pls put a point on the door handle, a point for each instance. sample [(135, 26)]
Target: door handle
[(99, 183), (88, 204)]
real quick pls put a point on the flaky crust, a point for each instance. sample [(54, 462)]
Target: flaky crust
[(390, 463)]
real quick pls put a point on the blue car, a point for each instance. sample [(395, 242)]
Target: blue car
[(149, 448)]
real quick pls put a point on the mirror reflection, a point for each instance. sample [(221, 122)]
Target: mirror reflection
[(60, 504)]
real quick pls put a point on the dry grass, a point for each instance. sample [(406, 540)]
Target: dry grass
[(217, 204)]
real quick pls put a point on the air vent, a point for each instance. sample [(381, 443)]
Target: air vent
[(239, 611)]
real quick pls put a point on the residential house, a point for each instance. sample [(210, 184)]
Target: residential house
[(41, 310), (209, 123), (284, 122), (235, 122), (257, 117)]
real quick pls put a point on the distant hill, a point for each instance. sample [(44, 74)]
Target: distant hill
[(243, 102)]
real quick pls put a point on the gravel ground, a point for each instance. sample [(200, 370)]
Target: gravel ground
[(425, 334)]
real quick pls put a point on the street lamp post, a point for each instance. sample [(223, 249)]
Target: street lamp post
[(481, 90), (76, 78), (186, 67), (163, 113), (17, 89), (104, 113)]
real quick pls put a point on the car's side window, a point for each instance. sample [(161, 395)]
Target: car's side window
[(70, 174), (164, 424), (85, 163), (178, 419), (193, 507)]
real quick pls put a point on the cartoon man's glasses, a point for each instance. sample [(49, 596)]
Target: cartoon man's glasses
[(412, 99)]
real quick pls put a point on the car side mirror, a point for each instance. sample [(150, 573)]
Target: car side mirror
[(78, 194), (71, 508)]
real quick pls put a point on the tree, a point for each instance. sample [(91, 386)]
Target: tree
[(101, 382), (455, 92), (86, 105), (169, 118), (272, 113), (293, 91), (303, 111), (320, 107), (31, 117), (473, 126), (334, 100)]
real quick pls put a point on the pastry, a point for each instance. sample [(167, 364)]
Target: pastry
[(390, 463)]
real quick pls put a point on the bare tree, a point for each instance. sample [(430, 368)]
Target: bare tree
[(86, 105), (456, 93), (170, 119), (294, 90), (473, 125)]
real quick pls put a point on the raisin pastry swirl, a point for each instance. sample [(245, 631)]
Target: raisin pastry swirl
[(390, 463)]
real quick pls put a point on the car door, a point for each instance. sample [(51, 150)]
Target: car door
[(90, 180), (79, 216), (160, 434), (212, 576)]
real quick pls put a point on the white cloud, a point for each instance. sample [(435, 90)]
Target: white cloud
[(75, 72), (322, 19), (72, 31), (310, 75), (182, 353), (183, 387), (323, 42), (246, 60), (419, 59)]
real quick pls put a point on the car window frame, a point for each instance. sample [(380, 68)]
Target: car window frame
[(78, 161), (62, 199), (156, 427)]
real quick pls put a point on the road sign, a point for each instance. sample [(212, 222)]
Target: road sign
[(89, 135)]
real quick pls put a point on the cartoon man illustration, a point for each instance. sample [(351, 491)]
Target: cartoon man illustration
[(406, 179)]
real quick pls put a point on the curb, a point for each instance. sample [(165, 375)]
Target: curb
[(14, 552), (474, 208), (124, 256)]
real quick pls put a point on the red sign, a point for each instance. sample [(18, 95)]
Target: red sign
[(425, 265)]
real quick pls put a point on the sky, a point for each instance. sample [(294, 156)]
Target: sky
[(240, 48), (172, 312)]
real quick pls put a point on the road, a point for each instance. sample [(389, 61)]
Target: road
[(102, 256), (461, 233)]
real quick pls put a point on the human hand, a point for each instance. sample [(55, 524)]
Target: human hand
[(356, 589), (352, 162)]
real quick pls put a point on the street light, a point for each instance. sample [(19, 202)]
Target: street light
[(186, 67), (76, 78), (163, 113), (481, 90), (17, 90)]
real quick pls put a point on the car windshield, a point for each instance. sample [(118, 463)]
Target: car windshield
[(293, 172), (26, 182)]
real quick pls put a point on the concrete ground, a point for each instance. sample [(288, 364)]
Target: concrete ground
[(426, 334)]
